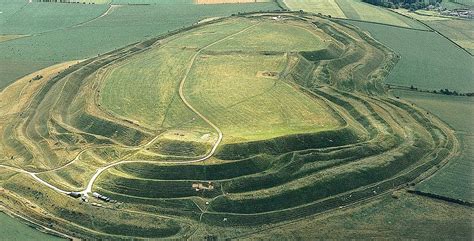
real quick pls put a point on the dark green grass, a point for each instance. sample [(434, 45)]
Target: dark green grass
[(428, 60), (288, 143), (314, 189), (198, 172)]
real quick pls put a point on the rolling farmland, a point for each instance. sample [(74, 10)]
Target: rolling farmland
[(328, 7), (353, 9), (253, 119), (460, 31), (121, 26), (425, 66), (37, 18)]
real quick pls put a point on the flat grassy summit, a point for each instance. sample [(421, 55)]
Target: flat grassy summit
[(242, 121)]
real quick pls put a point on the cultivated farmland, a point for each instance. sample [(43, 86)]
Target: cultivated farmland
[(253, 119), (328, 7), (434, 66), (353, 9), (460, 31)]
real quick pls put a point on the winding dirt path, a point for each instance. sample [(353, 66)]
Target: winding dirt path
[(185, 101), (88, 189)]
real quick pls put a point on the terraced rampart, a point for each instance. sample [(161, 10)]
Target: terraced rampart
[(195, 163)]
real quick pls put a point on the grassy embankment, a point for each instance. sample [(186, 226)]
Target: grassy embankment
[(455, 179), (370, 143)]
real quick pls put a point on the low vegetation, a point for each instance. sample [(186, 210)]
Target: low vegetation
[(254, 119)]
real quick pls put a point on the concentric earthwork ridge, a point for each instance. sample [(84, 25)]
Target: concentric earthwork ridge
[(247, 120)]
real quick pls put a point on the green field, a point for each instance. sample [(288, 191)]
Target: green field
[(460, 31), (455, 179), (271, 36), (353, 9), (123, 88), (9, 8), (457, 4), (428, 60), (238, 114), (326, 7), (42, 17), (356, 9), (12, 229), (122, 26)]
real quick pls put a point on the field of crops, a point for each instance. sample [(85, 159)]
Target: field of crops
[(326, 7), (428, 61), (236, 122), (455, 179), (356, 9), (121, 26), (460, 31), (353, 9)]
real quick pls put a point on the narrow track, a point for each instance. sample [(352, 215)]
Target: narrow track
[(185, 101), (88, 189)]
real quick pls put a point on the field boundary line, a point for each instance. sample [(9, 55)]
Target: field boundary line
[(436, 31), (441, 197), (378, 23)]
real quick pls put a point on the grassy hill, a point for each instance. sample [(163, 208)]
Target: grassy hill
[(248, 120)]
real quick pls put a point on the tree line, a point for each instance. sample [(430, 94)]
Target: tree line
[(408, 4)]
